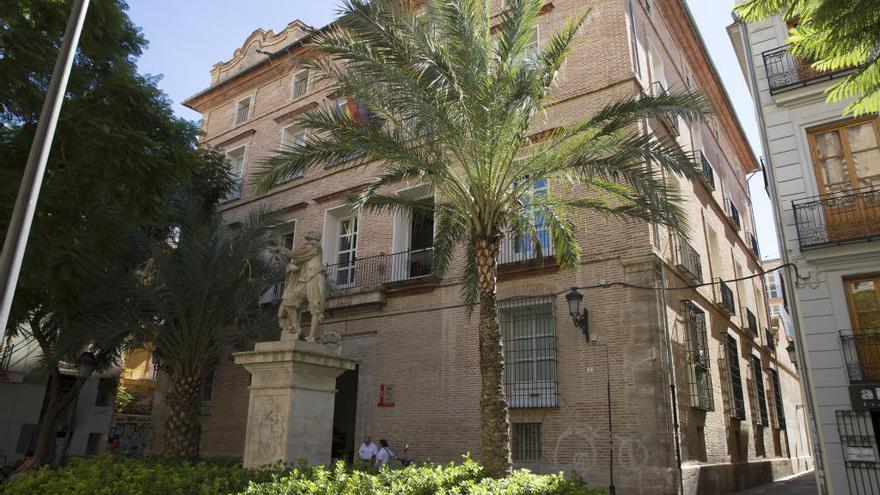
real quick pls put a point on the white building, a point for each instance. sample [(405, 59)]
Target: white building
[(22, 396), (823, 174)]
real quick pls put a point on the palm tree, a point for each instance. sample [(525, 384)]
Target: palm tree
[(203, 284), (446, 99)]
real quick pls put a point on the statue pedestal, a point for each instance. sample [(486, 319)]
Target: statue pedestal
[(292, 392)]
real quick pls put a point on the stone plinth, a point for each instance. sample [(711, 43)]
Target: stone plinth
[(290, 412)]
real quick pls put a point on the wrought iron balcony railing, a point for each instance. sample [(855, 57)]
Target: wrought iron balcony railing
[(733, 213), (517, 250), (234, 192), (727, 302), (708, 173), (671, 120), (752, 322), (861, 352), (838, 218), (381, 269), (785, 71), (753, 243), (689, 261)]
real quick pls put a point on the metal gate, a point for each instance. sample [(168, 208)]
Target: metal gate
[(859, 444)]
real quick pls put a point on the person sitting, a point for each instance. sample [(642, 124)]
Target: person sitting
[(385, 454)]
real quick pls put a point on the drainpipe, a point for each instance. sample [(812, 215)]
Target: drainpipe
[(670, 370), (806, 376)]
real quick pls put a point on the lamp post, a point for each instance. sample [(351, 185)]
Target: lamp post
[(580, 318), (85, 365)]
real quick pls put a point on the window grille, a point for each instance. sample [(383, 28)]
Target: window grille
[(758, 378), (859, 445), (701, 392), (242, 110), (526, 441), (529, 335), (207, 393), (301, 83), (737, 402), (777, 398), (752, 322)]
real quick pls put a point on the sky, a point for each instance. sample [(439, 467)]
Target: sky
[(187, 37)]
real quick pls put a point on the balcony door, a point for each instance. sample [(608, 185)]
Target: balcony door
[(346, 251), (847, 161), (413, 237), (863, 296)]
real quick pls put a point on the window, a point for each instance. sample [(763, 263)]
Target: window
[(242, 110), (292, 137), (772, 286), (93, 444), (846, 156), (235, 161), (633, 41), (206, 393), (777, 398), (698, 358), (106, 392), (525, 248), (528, 330), (346, 251), (300, 83), (526, 441), (758, 390), (532, 49), (737, 402)]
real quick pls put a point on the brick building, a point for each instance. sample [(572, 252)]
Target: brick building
[(417, 380)]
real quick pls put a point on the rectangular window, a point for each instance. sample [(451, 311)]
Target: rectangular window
[(777, 398), (758, 389), (846, 156), (633, 41), (93, 444), (737, 402), (701, 392), (526, 248), (526, 441), (300, 83), (346, 252), (235, 162), (532, 49), (206, 393), (292, 138), (242, 110), (528, 330)]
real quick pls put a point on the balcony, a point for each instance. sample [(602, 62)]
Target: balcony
[(381, 269), (234, 191), (708, 174), (689, 261), (839, 218), (785, 71), (520, 250), (671, 120), (727, 302), (861, 353), (752, 322), (753, 243), (733, 213)]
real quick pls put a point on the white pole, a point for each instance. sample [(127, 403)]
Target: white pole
[(23, 214)]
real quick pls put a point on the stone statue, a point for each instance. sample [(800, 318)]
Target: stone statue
[(304, 282)]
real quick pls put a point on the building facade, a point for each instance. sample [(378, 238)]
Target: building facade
[(702, 397), (823, 173), (23, 397)]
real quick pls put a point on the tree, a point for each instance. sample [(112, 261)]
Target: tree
[(118, 152), (203, 283), (834, 36), (447, 100)]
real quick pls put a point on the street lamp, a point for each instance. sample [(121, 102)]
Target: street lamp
[(580, 318)]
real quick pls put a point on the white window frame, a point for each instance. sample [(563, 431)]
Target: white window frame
[(515, 254), (250, 111), (243, 149), (401, 235), (293, 95), (304, 133), (333, 218), (537, 46)]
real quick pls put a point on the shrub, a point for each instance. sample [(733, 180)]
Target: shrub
[(107, 475)]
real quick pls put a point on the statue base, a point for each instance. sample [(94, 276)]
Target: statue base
[(292, 393)]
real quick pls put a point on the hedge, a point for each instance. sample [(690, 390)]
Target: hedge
[(106, 475)]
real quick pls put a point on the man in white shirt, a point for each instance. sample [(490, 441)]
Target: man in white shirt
[(367, 451), (385, 455)]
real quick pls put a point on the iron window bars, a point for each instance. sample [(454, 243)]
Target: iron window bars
[(737, 401), (727, 301), (859, 447), (528, 329), (689, 261), (861, 353), (758, 387), (777, 398), (526, 441), (699, 363), (708, 174)]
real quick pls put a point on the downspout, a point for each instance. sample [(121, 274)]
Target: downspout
[(783, 253), (670, 370)]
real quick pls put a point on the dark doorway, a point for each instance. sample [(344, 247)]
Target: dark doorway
[(344, 416)]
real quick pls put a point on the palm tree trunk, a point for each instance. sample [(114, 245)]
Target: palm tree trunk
[(182, 428), (44, 451), (494, 423)]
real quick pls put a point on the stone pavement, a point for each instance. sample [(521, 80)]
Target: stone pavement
[(802, 484)]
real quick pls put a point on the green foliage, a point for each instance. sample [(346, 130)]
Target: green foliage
[(124, 400), (834, 36), (107, 475)]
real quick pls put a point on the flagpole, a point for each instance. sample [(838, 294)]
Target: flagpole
[(29, 191)]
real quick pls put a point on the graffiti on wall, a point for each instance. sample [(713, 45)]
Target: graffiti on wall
[(130, 438)]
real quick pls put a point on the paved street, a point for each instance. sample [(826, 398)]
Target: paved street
[(804, 484)]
